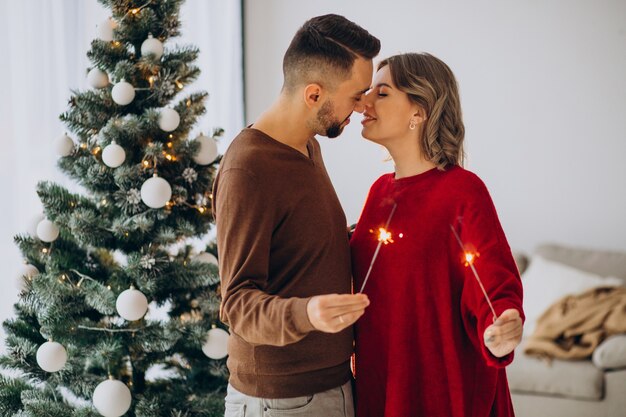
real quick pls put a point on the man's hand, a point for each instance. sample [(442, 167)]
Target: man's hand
[(332, 313), (503, 336)]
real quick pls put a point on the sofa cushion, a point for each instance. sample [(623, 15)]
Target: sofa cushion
[(600, 262), (570, 379), (611, 354)]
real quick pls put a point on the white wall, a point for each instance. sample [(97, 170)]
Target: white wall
[(543, 89)]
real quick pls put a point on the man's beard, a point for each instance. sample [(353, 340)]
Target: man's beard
[(326, 117)]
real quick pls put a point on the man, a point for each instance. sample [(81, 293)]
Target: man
[(281, 234)]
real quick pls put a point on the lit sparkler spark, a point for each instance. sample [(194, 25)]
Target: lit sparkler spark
[(470, 257), (383, 237)]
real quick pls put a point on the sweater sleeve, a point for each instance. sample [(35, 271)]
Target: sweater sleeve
[(245, 219), (481, 232)]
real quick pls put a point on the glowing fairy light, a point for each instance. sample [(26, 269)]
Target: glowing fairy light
[(470, 257), (383, 237)]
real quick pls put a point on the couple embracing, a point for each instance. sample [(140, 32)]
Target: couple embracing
[(426, 339)]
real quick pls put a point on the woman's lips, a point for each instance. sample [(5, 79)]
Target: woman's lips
[(367, 119)]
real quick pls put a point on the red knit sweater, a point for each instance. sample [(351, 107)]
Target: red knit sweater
[(419, 346)]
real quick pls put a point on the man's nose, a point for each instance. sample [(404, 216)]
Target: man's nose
[(359, 107)]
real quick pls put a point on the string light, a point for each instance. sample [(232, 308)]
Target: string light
[(179, 85), (151, 81)]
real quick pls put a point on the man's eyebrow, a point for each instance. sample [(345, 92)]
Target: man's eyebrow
[(365, 90)]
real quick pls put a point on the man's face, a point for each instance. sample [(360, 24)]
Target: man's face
[(334, 114)]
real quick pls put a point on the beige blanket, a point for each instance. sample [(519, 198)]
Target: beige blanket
[(575, 325)]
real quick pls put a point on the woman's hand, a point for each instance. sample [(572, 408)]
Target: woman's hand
[(503, 336)]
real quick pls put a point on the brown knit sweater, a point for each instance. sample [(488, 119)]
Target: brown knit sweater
[(281, 236)]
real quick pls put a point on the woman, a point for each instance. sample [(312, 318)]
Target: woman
[(429, 344)]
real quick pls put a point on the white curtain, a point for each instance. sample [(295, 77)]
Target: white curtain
[(43, 47)]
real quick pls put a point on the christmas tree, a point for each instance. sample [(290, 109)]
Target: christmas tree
[(80, 343)]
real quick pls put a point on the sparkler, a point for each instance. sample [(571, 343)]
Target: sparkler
[(469, 261), (383, 237)]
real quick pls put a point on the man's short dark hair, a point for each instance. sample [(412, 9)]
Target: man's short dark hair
[(324, 50)]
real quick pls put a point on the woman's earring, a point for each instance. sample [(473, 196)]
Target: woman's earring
[(412, 124)]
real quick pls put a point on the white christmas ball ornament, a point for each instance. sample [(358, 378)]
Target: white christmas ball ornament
[(131, 304), (206, 257), (97, 78), (113, 155), (207, 151), (216, 343), (51, 356), (123, 93), (27, 272), (64, 145), (169, 119), (105, 29), (112, 398), (152, 46), (156, 192), (47, 231)]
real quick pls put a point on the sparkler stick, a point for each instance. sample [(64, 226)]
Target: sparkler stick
[(383, 237), (469, 258)]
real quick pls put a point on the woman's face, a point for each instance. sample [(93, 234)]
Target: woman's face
[(388, 111)]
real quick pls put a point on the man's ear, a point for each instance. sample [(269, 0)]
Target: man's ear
[(312, 95)]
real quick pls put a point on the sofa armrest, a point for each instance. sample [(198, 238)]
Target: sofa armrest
[(521, 260)]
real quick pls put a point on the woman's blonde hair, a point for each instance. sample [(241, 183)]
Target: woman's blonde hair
[(430, 83)]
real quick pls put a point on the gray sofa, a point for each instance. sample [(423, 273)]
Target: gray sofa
[(570, 388)]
